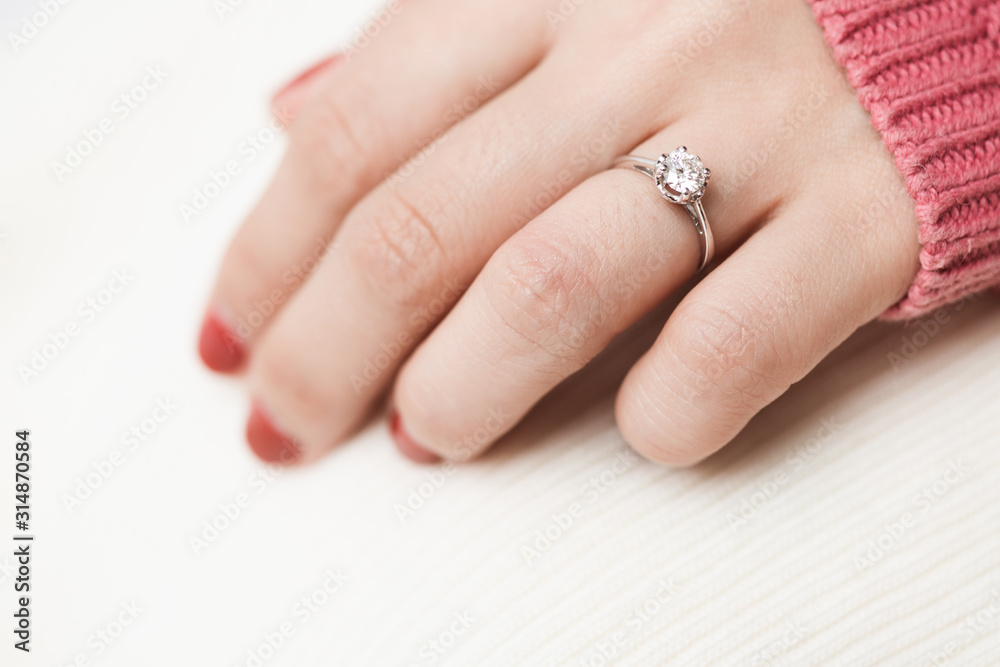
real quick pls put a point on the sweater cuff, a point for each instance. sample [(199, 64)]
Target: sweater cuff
[(928, 72)]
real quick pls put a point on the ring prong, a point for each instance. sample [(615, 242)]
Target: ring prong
[(682, 149)]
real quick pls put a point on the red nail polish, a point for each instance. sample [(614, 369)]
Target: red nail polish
[(267, 442), (220, 348), (407, 445)]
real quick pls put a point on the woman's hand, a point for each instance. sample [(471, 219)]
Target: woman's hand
[(445, 226)]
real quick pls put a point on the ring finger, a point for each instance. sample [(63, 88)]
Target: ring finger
[(556, 293)]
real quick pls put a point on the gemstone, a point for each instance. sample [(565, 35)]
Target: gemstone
[(682, 172)]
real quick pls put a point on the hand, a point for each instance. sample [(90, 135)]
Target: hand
[(444, 225)]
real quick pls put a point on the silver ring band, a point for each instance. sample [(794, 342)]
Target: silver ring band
[(681, 179)]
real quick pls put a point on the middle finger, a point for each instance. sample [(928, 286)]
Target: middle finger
[(405, 254)]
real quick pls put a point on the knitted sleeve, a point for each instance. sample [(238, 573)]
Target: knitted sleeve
[(928, 72)]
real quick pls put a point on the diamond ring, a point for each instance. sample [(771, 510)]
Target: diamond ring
[(681, 179)]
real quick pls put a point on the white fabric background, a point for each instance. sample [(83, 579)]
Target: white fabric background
[(652, 569)]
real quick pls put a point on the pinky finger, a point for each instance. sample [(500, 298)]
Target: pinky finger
[(761, 322)]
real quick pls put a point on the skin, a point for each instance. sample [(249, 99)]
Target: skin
[(503, 257)]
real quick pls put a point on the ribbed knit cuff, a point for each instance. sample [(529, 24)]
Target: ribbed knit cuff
[(928, 72)]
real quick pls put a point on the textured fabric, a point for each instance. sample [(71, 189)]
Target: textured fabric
[(928, 72)]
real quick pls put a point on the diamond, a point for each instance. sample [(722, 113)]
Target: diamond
[(681, 172)]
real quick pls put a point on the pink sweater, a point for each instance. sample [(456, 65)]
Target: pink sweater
[(928, 72)]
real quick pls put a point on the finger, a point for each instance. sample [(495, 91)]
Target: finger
[(556, 293), (408, 251), (287, 102), (763, 320), (430, 64)]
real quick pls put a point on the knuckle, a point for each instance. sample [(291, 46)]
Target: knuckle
[(541, 291), (400, 251), (328, 142), (727, 364)]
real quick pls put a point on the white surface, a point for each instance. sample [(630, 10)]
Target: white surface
[(730, 595)]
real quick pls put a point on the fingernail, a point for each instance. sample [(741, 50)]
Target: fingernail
[(266, 441), (295, 87), (407, 445), (220, 348)]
